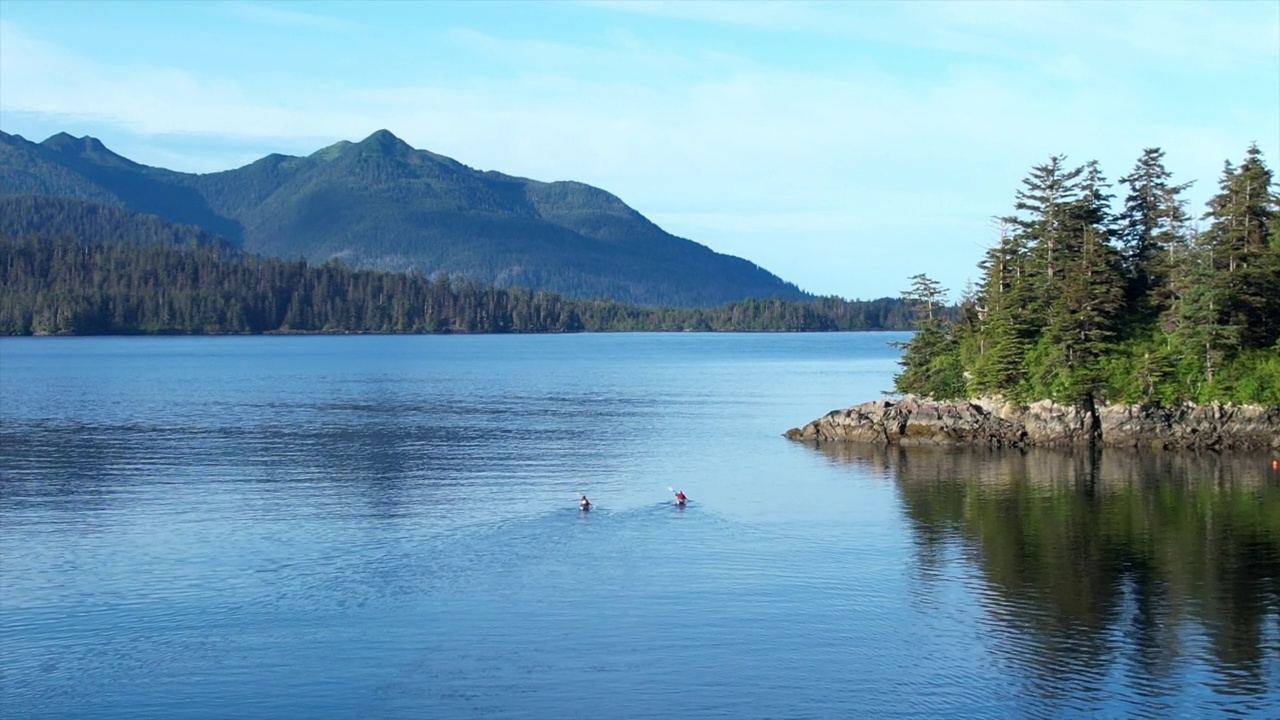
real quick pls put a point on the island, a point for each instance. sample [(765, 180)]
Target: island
[(1098, 326)]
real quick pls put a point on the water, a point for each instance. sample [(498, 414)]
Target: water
[(388, 527)]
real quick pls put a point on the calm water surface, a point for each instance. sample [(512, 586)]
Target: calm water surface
[(387, 527)]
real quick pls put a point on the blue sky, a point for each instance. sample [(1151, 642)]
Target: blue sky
[(843, 146)]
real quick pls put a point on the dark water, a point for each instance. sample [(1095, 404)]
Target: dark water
[(387, 527)]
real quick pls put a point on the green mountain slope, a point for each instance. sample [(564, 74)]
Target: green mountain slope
[(95, 223), (382, 204)]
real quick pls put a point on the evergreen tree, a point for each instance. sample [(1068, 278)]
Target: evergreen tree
[(1062, 312), (1244, 256), (1151, 224), (1196, 322), (1082, 314), (1004, 324), (929, 360), (1043, 222)]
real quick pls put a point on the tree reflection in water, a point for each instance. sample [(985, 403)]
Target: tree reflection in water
[(1093, 564)]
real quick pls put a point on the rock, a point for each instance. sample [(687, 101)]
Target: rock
[(995, 422)]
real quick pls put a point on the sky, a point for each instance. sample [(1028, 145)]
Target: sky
[(842, 146)]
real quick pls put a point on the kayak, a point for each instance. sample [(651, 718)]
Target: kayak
[(586, 507), (681, 502)]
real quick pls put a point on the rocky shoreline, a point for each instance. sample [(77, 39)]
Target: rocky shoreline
[(994, 422)]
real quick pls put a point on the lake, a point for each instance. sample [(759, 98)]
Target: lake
[(387, 526)]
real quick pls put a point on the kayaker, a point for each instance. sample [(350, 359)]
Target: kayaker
[(680, 498), (585, 504)]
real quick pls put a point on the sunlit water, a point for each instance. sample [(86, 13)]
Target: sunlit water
[(388, 527)]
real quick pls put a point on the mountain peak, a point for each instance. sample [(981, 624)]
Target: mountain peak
[(63, 142), (385, 142), (87, 147), (332, 151)]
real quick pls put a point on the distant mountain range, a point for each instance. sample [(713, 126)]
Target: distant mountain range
[(382, 204)]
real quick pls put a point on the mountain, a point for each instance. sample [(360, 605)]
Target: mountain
[(382, 204), (84, 169)]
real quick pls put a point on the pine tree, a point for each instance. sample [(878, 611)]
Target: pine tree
[(1245, 258), (925, 293), (930, 360), (1062, 312), (1150, 226), (1082, 316), (1047, 193), (1242, 213), (1004, 326), (1196, 321)]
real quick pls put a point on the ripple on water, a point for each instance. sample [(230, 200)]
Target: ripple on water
[(392, 533)]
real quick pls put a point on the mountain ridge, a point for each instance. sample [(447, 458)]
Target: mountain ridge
[(379, 203)]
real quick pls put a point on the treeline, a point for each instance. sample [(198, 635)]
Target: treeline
[(1083, 303), (60, 285)]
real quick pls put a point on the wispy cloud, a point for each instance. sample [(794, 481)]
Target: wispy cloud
[(617, 56), (773, 15), (276, 15), (1219, 33), (714, 144), (41, 77)]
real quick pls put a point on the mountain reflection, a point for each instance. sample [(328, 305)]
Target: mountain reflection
[(1093, 564)]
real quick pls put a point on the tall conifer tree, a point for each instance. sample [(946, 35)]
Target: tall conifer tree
[(1245, 258), (1151, 225), (1042, 203), (931, 366), (1005, 326), (1086, 302)]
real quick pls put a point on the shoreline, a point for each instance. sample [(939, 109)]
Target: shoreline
[(995, 422)]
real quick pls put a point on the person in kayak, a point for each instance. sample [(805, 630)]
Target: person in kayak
[(585, 504), (680, 498)]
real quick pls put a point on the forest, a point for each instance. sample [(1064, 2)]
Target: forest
[(180, 280), (1082, 300)]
